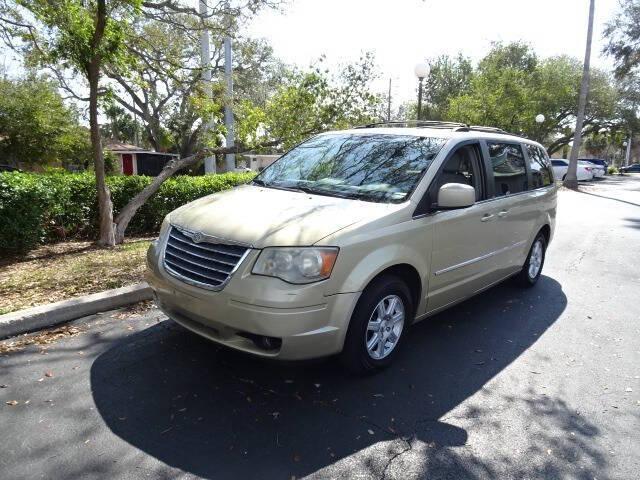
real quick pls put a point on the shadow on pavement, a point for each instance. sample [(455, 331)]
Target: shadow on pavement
[(220, 414)]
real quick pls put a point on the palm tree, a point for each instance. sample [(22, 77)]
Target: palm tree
[(571, 180)]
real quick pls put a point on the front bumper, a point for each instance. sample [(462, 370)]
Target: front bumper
[(306, 323)]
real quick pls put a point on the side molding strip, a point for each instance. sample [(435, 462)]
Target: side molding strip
[(480, 258)]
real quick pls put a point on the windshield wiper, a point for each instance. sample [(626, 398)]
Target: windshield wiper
[(329, 193)]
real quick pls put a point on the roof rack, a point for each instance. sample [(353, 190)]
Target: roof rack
[(415, 123), (481, 128), (454, 126)]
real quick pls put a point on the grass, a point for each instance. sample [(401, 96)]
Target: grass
[(57, 272)]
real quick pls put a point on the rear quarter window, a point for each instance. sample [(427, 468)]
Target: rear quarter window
[(541, 172), (508, 164)]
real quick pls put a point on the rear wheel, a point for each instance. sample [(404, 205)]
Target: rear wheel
[(377, 326), (532, 268)]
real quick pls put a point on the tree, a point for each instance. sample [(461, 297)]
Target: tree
[(36, 127), (501, 90), (449, 77), (120, 127), (84, 36), (571, 180), (623, 44), (511, 86), (313, 101), (623, 37), (162, 84)]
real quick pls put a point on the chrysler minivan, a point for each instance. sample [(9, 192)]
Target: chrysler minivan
[(352, 236)]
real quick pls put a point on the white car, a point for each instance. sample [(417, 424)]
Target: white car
[(598, 170), (561, 165)]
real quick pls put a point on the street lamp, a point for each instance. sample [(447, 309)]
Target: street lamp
[(421, 70), (539, 120)]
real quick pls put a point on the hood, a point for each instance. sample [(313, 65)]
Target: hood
[(265, 217)]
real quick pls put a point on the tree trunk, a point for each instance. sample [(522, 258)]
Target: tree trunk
[(105, 207), (571, 180), (127, 213)]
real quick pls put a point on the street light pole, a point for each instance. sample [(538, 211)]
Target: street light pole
[(628, 152), (419, 98), (421, 70), (389, 102), (228, 104), (205, 59), (540, 118)]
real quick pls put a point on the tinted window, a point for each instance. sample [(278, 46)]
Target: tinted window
[(462, 166), (373, 167), (541, 175), (509, 172), (558, 163)]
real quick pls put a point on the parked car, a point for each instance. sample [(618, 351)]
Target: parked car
[(598, 161), (634, 167), (561, 165), (8, 168), (354, 235), (598, 170)]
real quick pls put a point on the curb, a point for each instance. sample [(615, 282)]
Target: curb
[(35, 318)]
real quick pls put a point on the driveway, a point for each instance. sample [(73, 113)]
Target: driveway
[(513, 384)]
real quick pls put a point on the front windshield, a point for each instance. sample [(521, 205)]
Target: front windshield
[(371, 167)]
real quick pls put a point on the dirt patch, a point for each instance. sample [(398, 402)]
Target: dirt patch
[(69, 269)]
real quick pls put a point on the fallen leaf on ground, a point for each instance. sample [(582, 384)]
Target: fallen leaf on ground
[(48, 374), (12, 402)]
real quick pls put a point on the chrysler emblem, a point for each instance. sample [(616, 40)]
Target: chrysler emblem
[(197, 237)]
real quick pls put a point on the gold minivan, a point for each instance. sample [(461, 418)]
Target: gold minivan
[(352, 236)]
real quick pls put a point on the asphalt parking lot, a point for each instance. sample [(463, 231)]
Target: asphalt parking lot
[(513, 384)]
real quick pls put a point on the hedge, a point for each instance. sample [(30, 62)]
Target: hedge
[(41, 208)]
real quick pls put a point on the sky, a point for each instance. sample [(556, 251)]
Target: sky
[(402, 33)]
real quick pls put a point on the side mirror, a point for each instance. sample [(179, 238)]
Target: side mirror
[(456, 195)]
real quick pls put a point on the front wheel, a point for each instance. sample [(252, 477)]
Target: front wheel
[(532, 268), (377, 326)]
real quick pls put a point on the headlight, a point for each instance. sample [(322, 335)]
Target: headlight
[(296, 265)]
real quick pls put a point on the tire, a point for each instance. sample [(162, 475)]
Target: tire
[(564, 176), (530, 274), (356, 356)]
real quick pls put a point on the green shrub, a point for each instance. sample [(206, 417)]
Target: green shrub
[(612, 170), (37, 208), (25, 203)]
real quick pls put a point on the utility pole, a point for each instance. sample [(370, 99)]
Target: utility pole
[(571, 180), (205, 61), (389, 102), (228, 104)]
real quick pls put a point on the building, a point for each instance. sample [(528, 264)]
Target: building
[(134, 160)]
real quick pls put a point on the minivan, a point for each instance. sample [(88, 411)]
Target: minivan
[(352, 236)]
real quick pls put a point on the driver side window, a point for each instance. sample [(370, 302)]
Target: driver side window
[(462, 166)]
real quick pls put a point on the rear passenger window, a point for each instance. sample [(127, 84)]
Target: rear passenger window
[(509, 172), (541, 175)]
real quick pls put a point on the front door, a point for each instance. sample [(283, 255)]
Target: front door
[(462, 258), (127, 164)]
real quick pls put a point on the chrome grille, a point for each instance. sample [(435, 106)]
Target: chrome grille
[(203, 264)]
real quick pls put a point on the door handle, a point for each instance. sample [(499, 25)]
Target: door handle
[(486, 217), (503, 213)]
